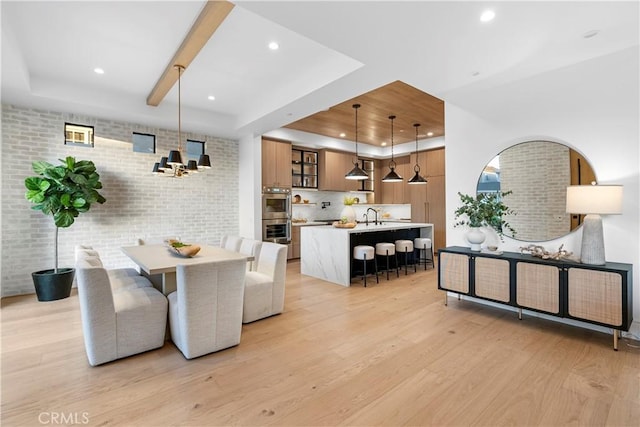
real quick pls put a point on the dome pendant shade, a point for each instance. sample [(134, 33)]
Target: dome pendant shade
[(174, 158), (392, 176), (204, 162), (356, 173), (417, 178)]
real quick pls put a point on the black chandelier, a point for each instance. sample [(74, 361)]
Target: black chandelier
[(172, 165)]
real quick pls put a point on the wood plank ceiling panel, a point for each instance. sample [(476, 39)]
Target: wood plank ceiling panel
[(408, 104)]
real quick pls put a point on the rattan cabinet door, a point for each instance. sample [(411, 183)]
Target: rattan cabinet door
[(538, 287), (454, 272), (595, 295), (492, 278)]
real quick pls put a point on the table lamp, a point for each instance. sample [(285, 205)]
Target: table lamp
[(593, 200)]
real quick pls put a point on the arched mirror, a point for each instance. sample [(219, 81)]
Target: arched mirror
[(537, 173)]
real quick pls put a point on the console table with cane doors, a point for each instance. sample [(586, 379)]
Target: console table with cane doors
[(596, 294)]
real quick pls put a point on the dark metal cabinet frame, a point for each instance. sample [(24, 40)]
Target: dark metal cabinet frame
[(613, 310)]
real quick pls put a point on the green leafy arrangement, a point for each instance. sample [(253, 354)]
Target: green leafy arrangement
[(486, 209), (348, 201), (177, 244), (64, 191)]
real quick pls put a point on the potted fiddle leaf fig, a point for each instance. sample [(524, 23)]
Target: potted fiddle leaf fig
[(483, 210), (62, 192)]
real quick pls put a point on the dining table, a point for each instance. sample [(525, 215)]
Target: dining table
[(158, 262)]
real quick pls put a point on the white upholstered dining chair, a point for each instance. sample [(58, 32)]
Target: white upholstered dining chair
[(252, 248), (231, 243), (205, 312), (264, 287), (117, 322)]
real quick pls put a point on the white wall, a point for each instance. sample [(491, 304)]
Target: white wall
[(592, 107), (250, 190), (201, 208)]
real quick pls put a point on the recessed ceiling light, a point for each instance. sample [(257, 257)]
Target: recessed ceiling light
[(487, 15), (429, 133), (98, 70), (211, 98), (274, 46), (590, 34), (342, 135), (383, 144)]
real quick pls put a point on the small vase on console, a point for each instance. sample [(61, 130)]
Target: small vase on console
[(475, 236)]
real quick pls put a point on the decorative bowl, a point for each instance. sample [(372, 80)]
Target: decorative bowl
[(183, 249), (338, 224)]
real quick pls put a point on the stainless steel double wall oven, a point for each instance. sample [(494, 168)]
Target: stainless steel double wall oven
[(276, 214)]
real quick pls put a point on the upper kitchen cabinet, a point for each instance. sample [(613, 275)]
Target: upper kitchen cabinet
[(394, 192), (433, 162), (333, 166), (276, 163), (304, 168)]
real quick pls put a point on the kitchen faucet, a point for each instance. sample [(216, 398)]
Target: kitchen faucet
[(375, 212), (366, 219)]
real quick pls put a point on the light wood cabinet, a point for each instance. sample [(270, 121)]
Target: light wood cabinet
[(434, 162), (294, 246), (598, 294), (428, 201), (395, 192), (333, 166), (276, 163)]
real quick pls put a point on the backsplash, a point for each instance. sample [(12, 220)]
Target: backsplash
[(314, 211)]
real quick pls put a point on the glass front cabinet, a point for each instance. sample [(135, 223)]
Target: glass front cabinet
[(304, 168)]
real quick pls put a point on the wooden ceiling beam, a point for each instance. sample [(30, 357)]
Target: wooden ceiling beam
[(210, 18)]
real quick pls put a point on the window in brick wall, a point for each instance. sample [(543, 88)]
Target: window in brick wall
[(75, 134), (194, 149), (143, 142)]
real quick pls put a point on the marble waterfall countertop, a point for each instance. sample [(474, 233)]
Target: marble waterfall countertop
[(364, 228), (325, 251)]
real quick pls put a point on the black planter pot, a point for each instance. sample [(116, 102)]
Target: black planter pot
[(51, 286)]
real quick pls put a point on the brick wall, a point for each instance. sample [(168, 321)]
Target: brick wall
[(139, 205), (538, 173)]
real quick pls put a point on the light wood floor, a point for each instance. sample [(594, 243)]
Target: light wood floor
[(390, 354)]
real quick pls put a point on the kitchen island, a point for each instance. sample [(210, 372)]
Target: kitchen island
[(326, 251)]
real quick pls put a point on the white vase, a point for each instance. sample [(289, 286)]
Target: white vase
[(349, 213), (475, 236)]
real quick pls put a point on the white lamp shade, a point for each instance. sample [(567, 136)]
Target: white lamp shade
[(594, 199)]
